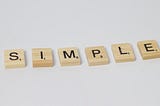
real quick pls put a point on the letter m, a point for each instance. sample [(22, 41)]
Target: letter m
[(69, 55)]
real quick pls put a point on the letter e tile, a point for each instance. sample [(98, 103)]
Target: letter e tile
[(149, 49)]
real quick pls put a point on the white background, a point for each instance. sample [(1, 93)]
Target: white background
[(56, 24)]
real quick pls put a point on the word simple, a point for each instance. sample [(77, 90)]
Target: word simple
[(43, 57)]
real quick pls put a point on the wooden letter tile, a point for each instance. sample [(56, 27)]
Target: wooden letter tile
[(14, 58), (149, 49), (42, 57), (123, 52), (69, 56), (97, 56)]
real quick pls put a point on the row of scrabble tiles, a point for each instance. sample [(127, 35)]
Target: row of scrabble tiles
[(43, 57)]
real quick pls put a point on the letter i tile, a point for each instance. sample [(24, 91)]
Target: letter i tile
[(42, 57)]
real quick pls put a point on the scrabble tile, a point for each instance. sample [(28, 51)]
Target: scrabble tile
[(14, 58), (123, 52), (96, 56), (69, 56), (149, 49), (42, 57)]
